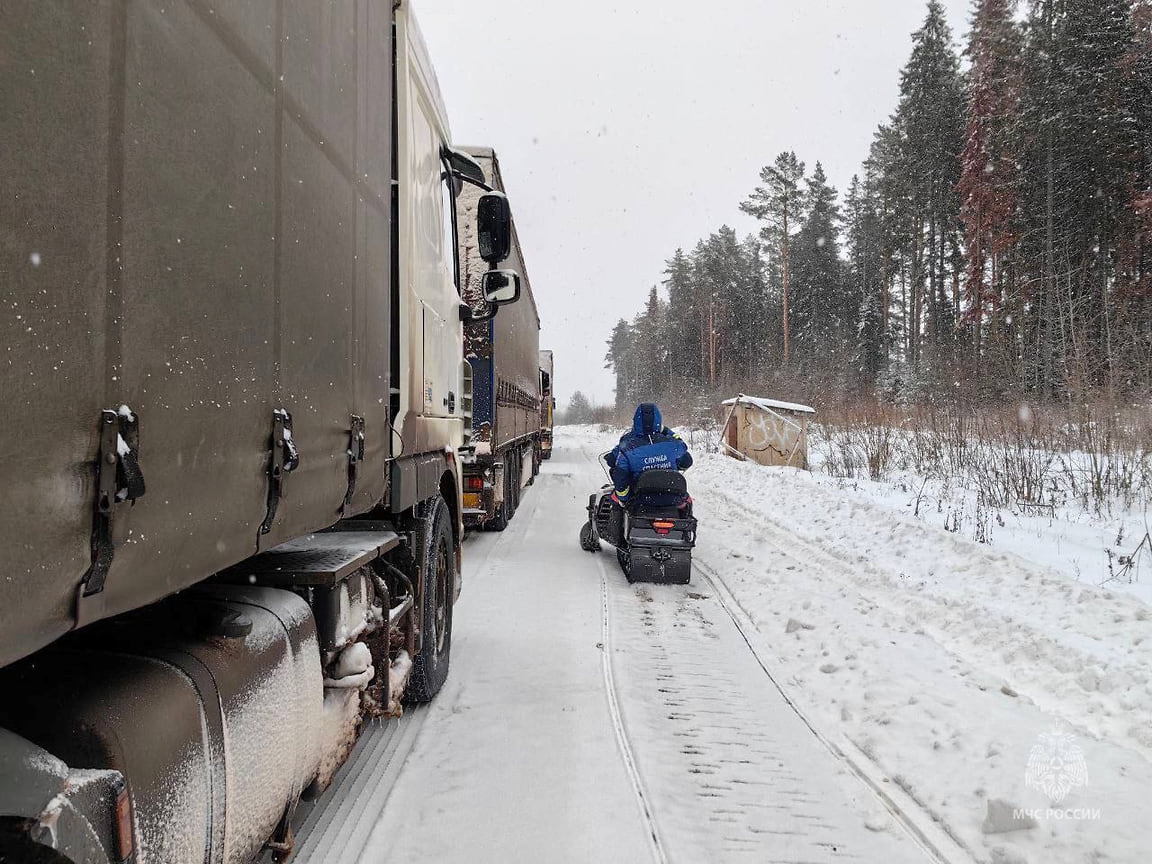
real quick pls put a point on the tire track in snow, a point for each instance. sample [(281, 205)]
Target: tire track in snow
[(917, 822), (623, 745), (732, 787), (363, 786), (732, 774)]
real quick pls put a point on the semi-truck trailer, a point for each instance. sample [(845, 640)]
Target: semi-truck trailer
[(230, 494), (503, 354), (547, 404)]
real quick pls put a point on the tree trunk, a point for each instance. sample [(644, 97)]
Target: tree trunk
[(1047, 286), (784, 258), (886, 301)]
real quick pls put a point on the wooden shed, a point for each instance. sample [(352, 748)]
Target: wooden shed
[(766, 431)]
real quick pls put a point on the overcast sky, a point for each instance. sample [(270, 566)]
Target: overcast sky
[(627, 129)]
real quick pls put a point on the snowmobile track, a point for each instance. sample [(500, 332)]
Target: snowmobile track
[(705, 719), (918, 823), (622, 742)]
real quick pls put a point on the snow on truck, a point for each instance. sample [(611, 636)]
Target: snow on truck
[(230, 484), (503, 354)]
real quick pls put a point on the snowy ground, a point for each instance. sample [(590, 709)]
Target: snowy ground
[(841, 681), (944, 660), (1087, 542)]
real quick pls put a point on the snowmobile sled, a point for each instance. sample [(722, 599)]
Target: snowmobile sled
[(654, 533)]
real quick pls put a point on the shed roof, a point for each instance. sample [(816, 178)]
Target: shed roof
[(771, 404)]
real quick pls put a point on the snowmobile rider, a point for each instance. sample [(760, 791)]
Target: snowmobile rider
[(649, 445)]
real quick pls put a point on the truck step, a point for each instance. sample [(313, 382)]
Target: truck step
[(315, 560)]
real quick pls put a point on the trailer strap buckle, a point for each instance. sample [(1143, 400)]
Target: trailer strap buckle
[(355, 457), (119, 478), (285, 460)]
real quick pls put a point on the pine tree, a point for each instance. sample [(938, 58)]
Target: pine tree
[(682, 328), (1136, 244), (779, 203), (821, 317), (1138, 72), (757, 319), (865, 288), (1076, 129), (623, 361), (726, 273), (704, 302), (930, 122), (988, 179), (1134, 277), (579, 409), (888, 187), (651, 351)]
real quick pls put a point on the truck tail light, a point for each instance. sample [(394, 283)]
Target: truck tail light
[(124, 841), (474, 484), (663, 527)]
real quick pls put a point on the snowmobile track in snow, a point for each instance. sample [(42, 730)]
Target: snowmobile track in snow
[(918, 823), (618, 721), (722, 765)]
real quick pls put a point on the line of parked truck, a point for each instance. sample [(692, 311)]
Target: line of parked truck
[(270, 349)]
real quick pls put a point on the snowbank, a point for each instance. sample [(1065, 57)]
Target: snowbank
[(943, 660)]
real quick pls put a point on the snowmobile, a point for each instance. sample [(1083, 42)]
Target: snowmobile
[(653, 533)]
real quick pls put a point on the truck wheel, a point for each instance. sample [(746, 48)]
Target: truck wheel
[(520, 487), (435, 566), (502, 515), (499, 521), (512, 494)]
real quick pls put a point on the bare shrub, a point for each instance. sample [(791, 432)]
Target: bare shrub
[(857, 441), (1018, 456)]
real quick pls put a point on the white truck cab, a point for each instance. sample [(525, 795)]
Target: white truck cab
[(430, 173), (431, 416)]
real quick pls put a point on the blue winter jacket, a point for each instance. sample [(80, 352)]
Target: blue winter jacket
[(648, 446)]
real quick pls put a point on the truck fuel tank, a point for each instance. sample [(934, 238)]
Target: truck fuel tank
[(211, 708)]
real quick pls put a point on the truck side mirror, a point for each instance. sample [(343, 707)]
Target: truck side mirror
[(500, 287), (494, 227), (464, 167)]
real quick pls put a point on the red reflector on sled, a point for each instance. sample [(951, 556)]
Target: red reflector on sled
[(663, 527)]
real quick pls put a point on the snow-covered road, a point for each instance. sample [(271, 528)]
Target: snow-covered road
[(840, 682), (587, 720)]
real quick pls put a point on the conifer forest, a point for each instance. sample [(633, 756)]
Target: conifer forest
[(994, 246)]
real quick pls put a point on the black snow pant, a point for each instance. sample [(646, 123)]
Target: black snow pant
[(615, 533)]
